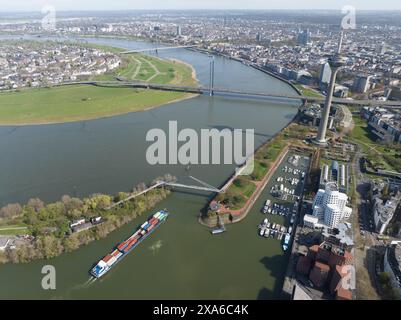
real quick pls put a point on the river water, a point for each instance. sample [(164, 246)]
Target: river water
[(182, 260)]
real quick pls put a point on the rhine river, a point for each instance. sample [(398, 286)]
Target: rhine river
[(181, 260)]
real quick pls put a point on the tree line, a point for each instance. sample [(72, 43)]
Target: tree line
[(49, 224)]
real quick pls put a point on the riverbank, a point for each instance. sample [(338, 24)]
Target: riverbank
[(249, 64), (271, 154), (241, 192), (49, 229), (79, 103), (71, 103), (234, 216)]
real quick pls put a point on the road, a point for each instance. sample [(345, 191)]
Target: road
[(364, 235)]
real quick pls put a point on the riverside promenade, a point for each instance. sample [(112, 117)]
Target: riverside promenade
[(234, 216)]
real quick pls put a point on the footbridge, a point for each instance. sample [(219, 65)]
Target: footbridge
[(203, 187)]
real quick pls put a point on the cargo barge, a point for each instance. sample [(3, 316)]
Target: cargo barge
[(125, 247)]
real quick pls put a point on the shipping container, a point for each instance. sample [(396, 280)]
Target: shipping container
[(112, 261), (115, 253), (122, 245), (133, 241), (107, 258)]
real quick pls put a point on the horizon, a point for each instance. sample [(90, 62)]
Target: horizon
[(198, 9), (28, 6), (129, 11)]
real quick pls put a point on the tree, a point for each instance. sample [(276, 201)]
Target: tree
[(120, 196), (30, 216), (49, 246), (71, 243), (10, 211), (36, 204), (71, 203)]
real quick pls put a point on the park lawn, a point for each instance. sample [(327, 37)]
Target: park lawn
[(271, 150), (308, 92), (259, 170), (13, 229), (14, 232), (139, 67), (242, 188), (245, 188), (80, 102), (371, 146)]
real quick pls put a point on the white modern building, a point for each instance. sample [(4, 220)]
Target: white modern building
[(325, 73), (383, 212), (330, 206), (311, 221)]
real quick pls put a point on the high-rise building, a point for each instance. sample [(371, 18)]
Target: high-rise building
[(325, 73), (303, 37), (330, 207), (362, 83), (179, 31)]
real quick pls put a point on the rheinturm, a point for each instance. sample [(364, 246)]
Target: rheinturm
[(336, 62)]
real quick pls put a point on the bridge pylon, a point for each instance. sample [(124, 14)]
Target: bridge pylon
[(211, 81)]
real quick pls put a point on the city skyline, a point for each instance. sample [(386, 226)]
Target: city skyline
[(73, 5)]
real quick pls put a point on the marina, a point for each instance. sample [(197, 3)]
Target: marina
[(281, 211)]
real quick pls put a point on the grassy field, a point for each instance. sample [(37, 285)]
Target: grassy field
[(151, 69), (74, 103), (308, 92), (259, 170), (85, 102), (238, 193), (371, 146), (12, 230)]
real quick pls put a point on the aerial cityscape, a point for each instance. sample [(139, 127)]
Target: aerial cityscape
[(250, 154)]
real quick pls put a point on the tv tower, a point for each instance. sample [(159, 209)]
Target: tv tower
[(336, 62)]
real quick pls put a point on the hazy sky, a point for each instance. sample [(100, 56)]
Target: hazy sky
[(36, 5)]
